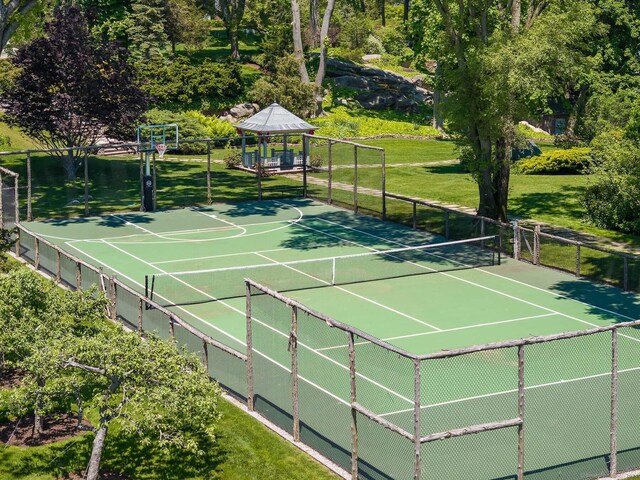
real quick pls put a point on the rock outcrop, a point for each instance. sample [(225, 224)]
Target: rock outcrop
[(240, 111), (378, 89)]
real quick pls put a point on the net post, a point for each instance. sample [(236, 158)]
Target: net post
[(330, 180), (146, 286), (354, 412), (499, 246), (625, 280), (58, 267), (536, 245), (333, 271), (114, 298), (415, 214), (141, 182), (154, 195), (37, 253), (29, 206), (613, 461), (384, 185), (305, 155), (446, 224), (209, 198), (140, 307), (578, 259), (86, 183), (521, 412), (416, 419), (293, 347), (355, 178), (78, 276), (249, 348), (205, 355)]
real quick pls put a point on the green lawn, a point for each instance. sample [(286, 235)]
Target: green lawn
[(404, 150), (18, 141), (245, 450)]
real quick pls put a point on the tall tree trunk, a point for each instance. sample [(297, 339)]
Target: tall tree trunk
[(405, 12), (314, 20), (383, 16), (69, 165), (297, 41), (363, 6), (322, 65), (234, 39), (38, 426), (437, 120), (501, 177), (96, 453), (577, 110)]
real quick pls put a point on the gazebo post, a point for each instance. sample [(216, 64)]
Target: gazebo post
[(265, 148), (284, 144), (244, 145)]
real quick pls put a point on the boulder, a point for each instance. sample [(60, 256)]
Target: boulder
[(348, 81), (243, 110), (371, 57)]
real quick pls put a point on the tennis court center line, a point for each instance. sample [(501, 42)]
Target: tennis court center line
[(505, 392), (373, 382), (397, 312), (551, 292), (166, 299), (484, 287), (455, 329)]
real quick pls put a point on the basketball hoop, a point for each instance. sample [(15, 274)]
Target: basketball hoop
[(161, 148)]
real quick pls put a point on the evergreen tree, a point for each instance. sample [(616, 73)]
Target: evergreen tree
[(146, 29)]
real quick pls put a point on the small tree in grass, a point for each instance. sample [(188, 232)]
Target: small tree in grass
[(149, 388), (71, 90)]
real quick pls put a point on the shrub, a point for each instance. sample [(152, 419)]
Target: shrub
[(214, 127), (573, 160), (373, 45), (613, 200), (232, 158), (394, 41), (356, 30), (315, 161)]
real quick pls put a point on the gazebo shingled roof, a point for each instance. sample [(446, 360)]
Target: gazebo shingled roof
[(275, 119)]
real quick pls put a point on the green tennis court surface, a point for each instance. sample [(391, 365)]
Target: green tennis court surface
[(438, 298)]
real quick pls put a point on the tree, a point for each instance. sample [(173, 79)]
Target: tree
[(185, 23), (231, 13), (298, 51), (500, 62), (146, 29), (59, 107), (11, 14), (149, 388)]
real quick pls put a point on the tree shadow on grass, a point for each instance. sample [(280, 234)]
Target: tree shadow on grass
[(561, 202)]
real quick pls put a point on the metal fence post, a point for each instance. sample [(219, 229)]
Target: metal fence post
[(155, 183), (384, 186), (536, 245), (37, 253), (58, 267), (259, 172), (613, 462), (172, 327), (577, 259), (29, 211), (415, 215), (114, 298), (141, 182), (16, 200), (416, 420), (521, 412), (249, 349), (293, 347), (86, 183), (516, 240), (140, 308), (305, 155), (330, 179), (209, 197), (355, 178), (78, 276), (354, 412), (205, 355)]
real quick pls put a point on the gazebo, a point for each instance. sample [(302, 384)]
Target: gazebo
[(273, 120)]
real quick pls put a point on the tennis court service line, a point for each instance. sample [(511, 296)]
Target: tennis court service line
[(551, 292), (378, 304), (505, 392), (455, 329), (320, 354), (217, 256), (484, 287)]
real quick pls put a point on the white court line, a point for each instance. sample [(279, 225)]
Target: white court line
[(551, 292), (504, 392), (215, 217), (166, 299), (217, 256), (484, 287), (455, 329), (373, 382), (397, 312)]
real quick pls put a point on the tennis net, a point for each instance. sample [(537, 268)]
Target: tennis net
[(200, 286)]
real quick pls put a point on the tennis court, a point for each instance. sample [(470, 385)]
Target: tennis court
[(405, 287)]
